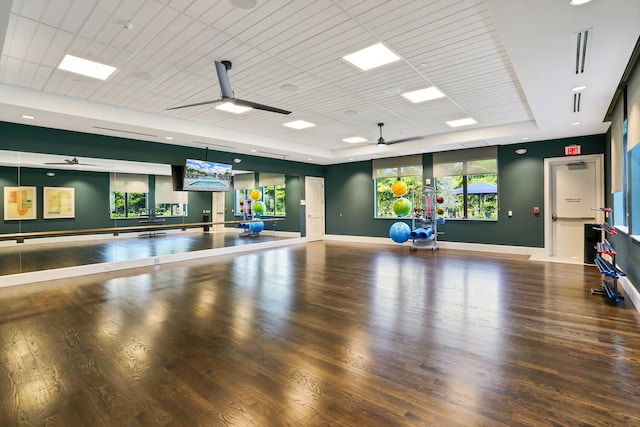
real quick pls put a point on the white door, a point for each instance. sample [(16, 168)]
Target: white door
[(314, 201), (217, 210), (575, 189)]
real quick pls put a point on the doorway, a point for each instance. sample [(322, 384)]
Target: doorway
[(574, 188), (314, 200), (217, 210)]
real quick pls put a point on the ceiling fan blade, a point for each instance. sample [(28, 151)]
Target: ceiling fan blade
[(412, 138), (257, 106), (196, 104)]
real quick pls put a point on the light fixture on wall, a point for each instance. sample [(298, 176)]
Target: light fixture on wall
[(521, 151), (50, 174), (237, 160)]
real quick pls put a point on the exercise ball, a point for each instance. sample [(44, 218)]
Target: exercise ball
[(440, 199), (256, 227), (440, 211), (399, 232), (399, 188), (402, 206), (256, 194), (258, 207)]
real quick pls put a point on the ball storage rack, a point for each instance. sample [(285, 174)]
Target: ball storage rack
[(425, 221)]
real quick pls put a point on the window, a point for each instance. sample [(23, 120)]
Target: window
[(272, 186), (386, 172), (169, 202), (468, 182), (128, 195), (243, 184)]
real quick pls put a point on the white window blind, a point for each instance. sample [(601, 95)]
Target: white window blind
[(466, 162), (394, 167), (128, 183), (265, 179), (617, 156), (244, 181), (633, 113), (165, 193)]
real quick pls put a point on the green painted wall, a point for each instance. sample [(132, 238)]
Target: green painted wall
[(92, 188), (350, 199)]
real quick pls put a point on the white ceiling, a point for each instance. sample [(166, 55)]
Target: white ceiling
[(509, 64)]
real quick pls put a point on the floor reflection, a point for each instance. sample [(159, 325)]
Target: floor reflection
[(22, 258)]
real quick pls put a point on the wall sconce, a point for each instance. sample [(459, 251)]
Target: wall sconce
[(521, 151)]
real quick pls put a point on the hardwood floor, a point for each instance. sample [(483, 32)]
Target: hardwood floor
[(322, 334)]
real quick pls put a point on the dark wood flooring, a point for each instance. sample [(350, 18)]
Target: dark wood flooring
[(322, 334)]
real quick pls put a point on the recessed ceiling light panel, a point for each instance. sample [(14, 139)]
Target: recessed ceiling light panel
[(298, 124), (422, 95), (462, 122), (371, 57), (578, 2), (354, 139), (86, 67)]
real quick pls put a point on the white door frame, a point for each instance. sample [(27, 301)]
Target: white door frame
[(308, 215), (548, 163)]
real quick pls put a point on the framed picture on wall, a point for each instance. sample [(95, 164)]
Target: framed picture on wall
[(19, 203), (59, 202)]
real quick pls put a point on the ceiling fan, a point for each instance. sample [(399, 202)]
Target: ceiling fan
[(227, 93), (69, 162), (382, 141)]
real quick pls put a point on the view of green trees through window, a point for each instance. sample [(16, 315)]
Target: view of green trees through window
[(273, 197), (385, 197), (128, 205), (481, 200)]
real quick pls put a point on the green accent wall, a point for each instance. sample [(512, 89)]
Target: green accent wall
[(92, 188), (350, 198)]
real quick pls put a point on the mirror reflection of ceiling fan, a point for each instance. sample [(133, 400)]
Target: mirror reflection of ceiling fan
[(382, 141), (227, 95), (70, 162)]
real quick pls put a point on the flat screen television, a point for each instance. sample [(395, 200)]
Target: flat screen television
[(201, 175)]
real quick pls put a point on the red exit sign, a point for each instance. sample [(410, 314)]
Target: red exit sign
[(572, 150)]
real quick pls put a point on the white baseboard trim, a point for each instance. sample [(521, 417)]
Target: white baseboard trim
[(631, 291), (479, 247), (82, 270)]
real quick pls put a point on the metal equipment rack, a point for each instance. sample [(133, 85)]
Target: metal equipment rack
[(606, 261), (424, 227)]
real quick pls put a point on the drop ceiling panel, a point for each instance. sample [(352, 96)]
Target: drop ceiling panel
[(166, 59)]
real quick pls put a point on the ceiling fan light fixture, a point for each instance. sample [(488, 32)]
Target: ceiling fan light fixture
[(423, 95), (85, 67), (371, 57), (230, 107)]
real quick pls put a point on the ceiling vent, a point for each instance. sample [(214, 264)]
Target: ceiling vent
[(577, 97), (582, 39)]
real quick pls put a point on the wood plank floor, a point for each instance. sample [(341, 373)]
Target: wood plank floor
[(322, 334)]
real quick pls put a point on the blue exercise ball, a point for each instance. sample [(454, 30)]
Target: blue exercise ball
[(399, 232), (256, 227)]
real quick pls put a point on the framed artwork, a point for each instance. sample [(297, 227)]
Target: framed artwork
[(19, 203), (59, 202)]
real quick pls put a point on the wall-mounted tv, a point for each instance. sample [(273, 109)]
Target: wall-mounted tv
[(200, 175)]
